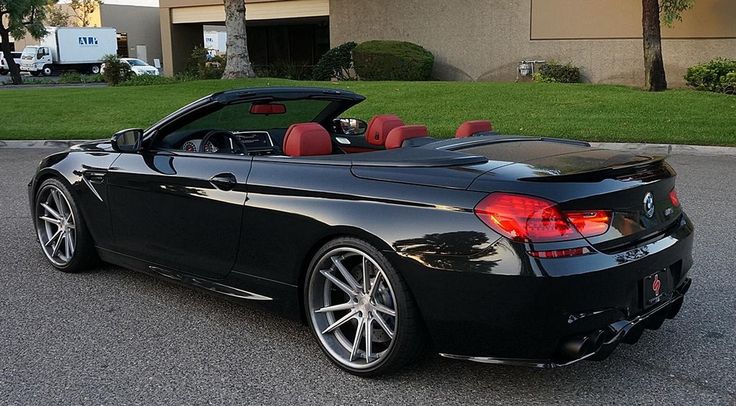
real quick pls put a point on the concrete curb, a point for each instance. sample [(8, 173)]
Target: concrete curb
[(51, 85), (667, 149), (55, 144), (653, 149)]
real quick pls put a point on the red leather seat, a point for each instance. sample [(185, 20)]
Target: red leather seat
[(379, 127), (307, 139), (470, 128), (398, 135)]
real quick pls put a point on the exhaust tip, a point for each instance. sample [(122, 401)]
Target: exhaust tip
[(582, 345)]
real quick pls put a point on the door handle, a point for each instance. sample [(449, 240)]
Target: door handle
[(224, 181)]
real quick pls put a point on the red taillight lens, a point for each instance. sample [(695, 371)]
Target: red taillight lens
[(524, 218), (590, 223), (569, 252), (674, 198), (532, 219)]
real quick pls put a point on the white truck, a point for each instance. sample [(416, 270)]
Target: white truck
[(69, 49)]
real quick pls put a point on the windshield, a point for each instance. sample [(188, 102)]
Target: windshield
[(244, 116), (135, 62), (29, 53), (238, 116)]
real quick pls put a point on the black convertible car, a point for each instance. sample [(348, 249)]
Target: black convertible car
[(387, 242)]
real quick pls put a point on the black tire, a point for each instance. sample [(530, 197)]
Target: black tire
[(3, 72), (409, 341), (84, 253)]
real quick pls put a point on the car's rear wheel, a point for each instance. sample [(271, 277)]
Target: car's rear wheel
[(60, 229), (360, 309)]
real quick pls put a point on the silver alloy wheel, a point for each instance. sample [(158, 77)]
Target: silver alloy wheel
[(353, 307), (95, 69), (55, 225)]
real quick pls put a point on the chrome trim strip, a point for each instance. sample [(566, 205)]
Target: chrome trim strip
[(215, 287)]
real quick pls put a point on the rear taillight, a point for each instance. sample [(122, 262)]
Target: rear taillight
[(674, 198), (568, 252), (524, 218), (531, 219)]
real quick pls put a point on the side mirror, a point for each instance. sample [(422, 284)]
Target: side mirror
[(127, 140), (349, 126)]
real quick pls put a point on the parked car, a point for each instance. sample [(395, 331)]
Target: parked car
[(491, 248), (4, 68), (140, 67)]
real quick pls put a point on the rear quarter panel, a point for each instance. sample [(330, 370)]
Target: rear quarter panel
[(294, 208)]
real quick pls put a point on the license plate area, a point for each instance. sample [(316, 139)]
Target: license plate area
[(656, 288)]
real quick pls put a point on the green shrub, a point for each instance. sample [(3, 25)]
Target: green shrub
[(147, 80), (202, 66), (74, 77), (553, 72), (392, 60), (718, 75), (116, 71), (336, 63), (729, 83), (285, 71)]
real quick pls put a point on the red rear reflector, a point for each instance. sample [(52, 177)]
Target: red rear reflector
[(570, 252), (525, 218), (590, 223), (674, 198)]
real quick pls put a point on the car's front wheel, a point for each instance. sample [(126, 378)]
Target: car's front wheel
[(360, 309), (60, 228)]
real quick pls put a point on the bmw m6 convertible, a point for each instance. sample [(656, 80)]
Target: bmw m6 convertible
[(385, 241)]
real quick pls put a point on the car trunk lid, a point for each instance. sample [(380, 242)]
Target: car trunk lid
[(580, 178)]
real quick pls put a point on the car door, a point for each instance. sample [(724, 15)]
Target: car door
[(177, 210)]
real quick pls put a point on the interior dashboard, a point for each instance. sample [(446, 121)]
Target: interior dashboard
[(255, 142)]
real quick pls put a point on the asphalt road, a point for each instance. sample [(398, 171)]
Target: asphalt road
[(111, 336)]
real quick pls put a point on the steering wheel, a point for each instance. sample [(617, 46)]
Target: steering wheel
[(224, 141)]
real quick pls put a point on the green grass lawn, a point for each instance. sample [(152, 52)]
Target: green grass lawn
[(587, 112)]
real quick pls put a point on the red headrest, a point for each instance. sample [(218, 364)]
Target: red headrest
[(307, 139), (398, 135), (380, 126), (469, 128)]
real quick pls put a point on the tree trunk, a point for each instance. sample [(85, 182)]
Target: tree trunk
[(655, 79), (238, 61), (5, 47)]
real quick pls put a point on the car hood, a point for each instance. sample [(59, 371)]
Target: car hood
[(139, 69)]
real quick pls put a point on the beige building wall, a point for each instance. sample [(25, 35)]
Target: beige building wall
[(140, 23), (181, 21), (486, 39)]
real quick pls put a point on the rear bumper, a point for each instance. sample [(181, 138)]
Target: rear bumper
[(536, 313), (605, 340)]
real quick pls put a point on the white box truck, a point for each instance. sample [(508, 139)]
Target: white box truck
[(78, 49)]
